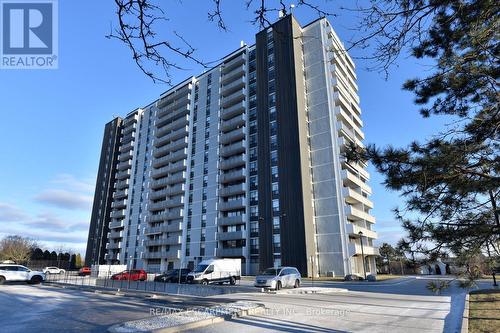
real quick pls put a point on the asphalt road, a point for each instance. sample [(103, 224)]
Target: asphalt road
[(402, 305)]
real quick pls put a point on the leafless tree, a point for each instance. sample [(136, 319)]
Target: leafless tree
[(16, 248)]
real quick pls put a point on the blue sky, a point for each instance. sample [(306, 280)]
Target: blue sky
[(52, 120)]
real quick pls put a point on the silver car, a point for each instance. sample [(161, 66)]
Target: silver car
[(277, 278)]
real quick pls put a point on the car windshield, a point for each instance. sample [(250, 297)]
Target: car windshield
[(269, 271), (200, 268)]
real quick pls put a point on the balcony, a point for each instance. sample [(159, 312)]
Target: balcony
[(235, 135), (233, 149), (180, 93), (172, 147), (172, 227), (132, 119), (355, 249), (233, 86), (125, 156), (116, 225), (355, 214), (123, 174), (173, 240), (232, 176), (122, 184), (350, 178), (114, 246), (353, 197), (233, 190), (129, 128), (354, 230), (116, 234), (173, 135), (233, 63), (175, 178), (175, 214), (232, 205), (119, 204), (231, 220), (120, 194), (231, 252), (170, 168), (233, 110), (234, 98), (127, 138), (117, 214), (235, 122), (233, 162), (233, 74), (233, 235), (124, 165), (177, 189), (165, 204), (163, 129), (126, 147), (172, 254)]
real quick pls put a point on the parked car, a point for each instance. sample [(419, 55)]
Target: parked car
[(132, 275), (216, 270), (277, 278), (84, 271), (9, 272), (173, 276), (53, 270)]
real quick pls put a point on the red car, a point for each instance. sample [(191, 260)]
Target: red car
[(132, 275), (84, 271)]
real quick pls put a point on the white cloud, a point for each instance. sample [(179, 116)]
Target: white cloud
[(65, 199), (10, 213), (71, 183)]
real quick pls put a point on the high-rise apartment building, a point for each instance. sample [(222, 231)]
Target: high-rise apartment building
[(245, 161)]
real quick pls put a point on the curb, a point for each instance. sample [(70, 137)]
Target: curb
[(316, 290), (196, 324), (465, 316)]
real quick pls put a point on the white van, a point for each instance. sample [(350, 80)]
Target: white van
[(216, 271)]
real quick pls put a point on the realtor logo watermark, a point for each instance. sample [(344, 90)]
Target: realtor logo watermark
[(28, 33)]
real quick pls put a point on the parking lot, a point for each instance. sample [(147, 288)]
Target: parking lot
[(401, 305)]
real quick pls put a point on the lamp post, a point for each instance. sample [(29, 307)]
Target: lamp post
[(362, 252)]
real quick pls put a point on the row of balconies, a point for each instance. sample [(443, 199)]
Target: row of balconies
[(233, 98), (233, 74), (172, 227), (232, 176), (171, 254), (233, 149), (120, 185), (232, 220), (233, 110), (231, 252), (233, 86), (169, 191), (234, 135), (233, 162), (165, 204), (169, 127), (126, 147), (114, 246), (174, 96), (232, 204), (353, 197), (233, 63), (115, 234), (233, 190), (353, 230), (120, 194), (124, 165), (127, 138), (171, 215), (116, 224), (235, 122), (350, 178), (125, 156), (172, 240), (356, 214), (116, 214), (123, 174), (122, 203), (175, 178), (171, 147), (170, 168), (232, 235), (129, 128)]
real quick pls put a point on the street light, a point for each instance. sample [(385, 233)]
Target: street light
[(362, 252)]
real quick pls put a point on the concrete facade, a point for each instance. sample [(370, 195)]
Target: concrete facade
[(245, 161)]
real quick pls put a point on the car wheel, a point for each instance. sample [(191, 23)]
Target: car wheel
[(61, 272), (2, 280), (297, 284), (232, 281), (278, 285), (204, 282), (36, 279)]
